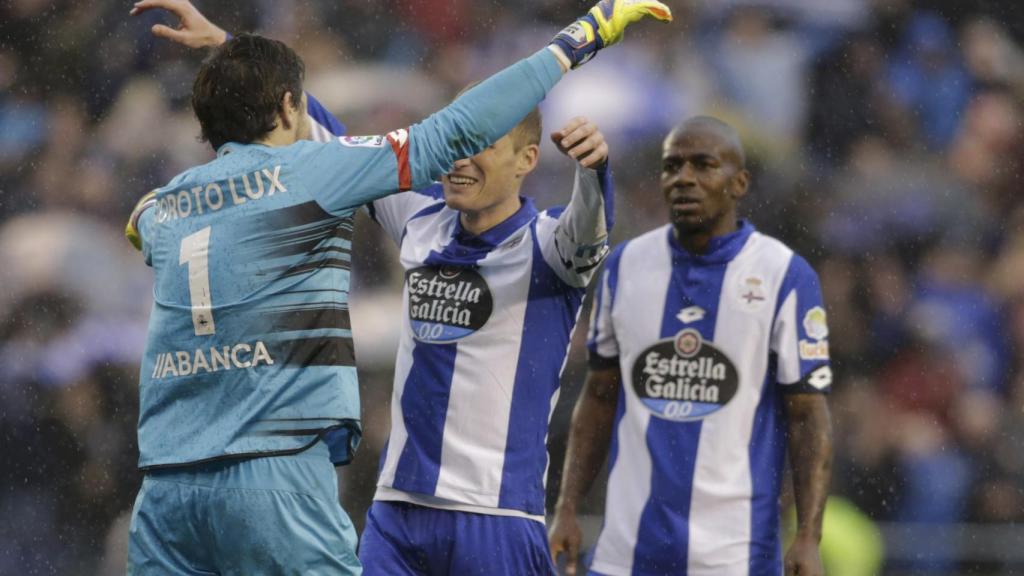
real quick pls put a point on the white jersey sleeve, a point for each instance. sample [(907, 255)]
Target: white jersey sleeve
[(602, 343), (580, 240), (800, 332), (393, 212)]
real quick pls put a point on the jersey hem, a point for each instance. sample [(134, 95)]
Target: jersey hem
[(388, 494), (228, 457), (257, 453), (610, 570)]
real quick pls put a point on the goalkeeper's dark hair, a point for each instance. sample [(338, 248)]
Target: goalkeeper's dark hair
[(237, 93), (529, 129)]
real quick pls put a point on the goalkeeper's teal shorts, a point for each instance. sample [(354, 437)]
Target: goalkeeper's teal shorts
[(277, 515)]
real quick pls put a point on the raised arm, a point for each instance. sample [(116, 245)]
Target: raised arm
[(196, 31), (427, 150), (580, 241)]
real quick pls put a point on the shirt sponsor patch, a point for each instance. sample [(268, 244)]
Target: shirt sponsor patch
[(816, 323), (684, 378), (447, 303)]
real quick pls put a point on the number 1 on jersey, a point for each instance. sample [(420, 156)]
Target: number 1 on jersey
[(195, 252)]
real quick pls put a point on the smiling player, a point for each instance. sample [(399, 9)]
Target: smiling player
[(248, 388), (492, 295)]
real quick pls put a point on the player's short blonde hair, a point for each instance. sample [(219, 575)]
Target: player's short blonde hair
[(529, 129)]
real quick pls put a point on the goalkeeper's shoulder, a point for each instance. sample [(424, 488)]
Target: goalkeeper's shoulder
[(131, 229)]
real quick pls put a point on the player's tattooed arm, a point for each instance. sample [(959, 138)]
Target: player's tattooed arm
[(193, 30), (810, 455), (589, 440)]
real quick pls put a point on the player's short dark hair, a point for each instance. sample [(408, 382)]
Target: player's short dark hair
[(237, 93), (529, 129)]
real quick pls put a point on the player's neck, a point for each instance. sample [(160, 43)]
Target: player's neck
[(480, 221), (279, 136), (698, 242)]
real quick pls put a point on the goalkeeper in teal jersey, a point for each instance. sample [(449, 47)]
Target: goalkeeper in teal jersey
[(248, 386)]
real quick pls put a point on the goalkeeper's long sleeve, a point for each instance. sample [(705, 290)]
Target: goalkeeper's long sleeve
[(479, 117)]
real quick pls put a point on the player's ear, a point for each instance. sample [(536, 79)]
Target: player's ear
[(741, 183), (527, 159), (287, 110)]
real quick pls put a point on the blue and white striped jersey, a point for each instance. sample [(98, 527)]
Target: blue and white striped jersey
[(706, 346), (486, 327), (249, 350)]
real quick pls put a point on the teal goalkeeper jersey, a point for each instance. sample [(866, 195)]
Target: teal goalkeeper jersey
[(249, 350)]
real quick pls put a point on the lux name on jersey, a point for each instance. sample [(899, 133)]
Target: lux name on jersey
[(185, 363), (213, 196)]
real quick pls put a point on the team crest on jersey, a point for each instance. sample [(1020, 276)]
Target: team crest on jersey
[(752, 293), (363, 141), (447, 303), (684, 377)]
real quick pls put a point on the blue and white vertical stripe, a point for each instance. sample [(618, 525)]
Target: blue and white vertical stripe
[(700, 497)]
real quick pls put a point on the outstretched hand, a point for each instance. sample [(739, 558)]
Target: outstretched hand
[(580, 140), (602, 26), (194, 30)]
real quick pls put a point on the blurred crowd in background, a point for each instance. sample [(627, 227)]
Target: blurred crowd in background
[(886, 141)]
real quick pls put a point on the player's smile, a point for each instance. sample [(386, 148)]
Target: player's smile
[(461, 182), (483, 181)]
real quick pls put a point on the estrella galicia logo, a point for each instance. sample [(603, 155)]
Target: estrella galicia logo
[(684, 378), (447, 302)]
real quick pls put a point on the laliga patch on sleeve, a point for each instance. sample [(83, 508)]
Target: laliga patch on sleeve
[(817, 350), (816, 323), (363, 141)]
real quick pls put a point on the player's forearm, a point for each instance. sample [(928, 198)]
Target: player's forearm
[(581, 239), (589, 216), (589, 441), (810, 447), (480, 117)]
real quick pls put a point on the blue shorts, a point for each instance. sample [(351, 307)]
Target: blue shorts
[(403, 539), (277, 515)]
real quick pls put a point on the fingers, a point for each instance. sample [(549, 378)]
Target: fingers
[(166, 32), (571, 554), (575, 132), (581, 140), (596, 158), (571, 134), (173, 6), (659, 11)]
